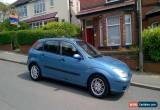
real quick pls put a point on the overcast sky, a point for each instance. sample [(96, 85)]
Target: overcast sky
[(8, 1)]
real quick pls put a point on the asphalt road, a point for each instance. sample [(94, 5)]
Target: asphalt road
[(18, 92)]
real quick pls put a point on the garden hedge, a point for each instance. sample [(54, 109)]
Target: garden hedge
[(151, 43), (6, 37), (28, 37)]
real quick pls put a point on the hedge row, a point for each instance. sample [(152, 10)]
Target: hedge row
[(151, 43), (27, 37)]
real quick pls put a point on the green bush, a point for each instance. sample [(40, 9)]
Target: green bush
[(28, 37), (151, 43), (66, 28), (6, 26), (6, 37)]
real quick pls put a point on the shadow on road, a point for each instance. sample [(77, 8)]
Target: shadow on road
[(59, 85)]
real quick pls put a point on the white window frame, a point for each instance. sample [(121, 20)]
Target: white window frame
[(128, 43), (51, 3), (101, 33), (153, 24), (109, 44), (110, 1), (39, 7), (40, 24)]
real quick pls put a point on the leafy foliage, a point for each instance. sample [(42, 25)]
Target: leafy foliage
[(28, 37), (64, 27), (6, 26), (151, 43), (4, 8), (6, 37)]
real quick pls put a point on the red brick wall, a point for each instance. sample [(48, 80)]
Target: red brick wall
[(85, 4), (96, 34), (147, 6), (148, 2)]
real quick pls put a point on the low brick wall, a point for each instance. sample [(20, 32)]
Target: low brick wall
[(152, 67), (129, 57), (6, 47), (25, 49)]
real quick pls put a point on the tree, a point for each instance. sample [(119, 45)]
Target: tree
[(4, 8), (6, 26)]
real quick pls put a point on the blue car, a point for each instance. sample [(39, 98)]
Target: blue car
[(77, 62)]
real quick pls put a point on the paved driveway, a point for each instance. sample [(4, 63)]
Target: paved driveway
[(18, 92)]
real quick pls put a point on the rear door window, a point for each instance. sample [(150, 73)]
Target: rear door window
[(52, 47)]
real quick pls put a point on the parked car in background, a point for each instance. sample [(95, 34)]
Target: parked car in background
[(77, 62)]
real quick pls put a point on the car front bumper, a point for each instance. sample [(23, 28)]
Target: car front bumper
[(119, 86)]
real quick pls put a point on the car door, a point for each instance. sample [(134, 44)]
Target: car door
[(51, 59), (74, 68)]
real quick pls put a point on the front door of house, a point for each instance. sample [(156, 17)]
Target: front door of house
[(90, 35)]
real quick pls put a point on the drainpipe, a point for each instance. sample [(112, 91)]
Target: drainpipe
[(139, 12), (70, 11)]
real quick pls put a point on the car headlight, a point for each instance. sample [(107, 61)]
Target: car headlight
[(120, 72)]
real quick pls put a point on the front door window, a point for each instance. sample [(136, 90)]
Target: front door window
[(89, 31), (68, 49)]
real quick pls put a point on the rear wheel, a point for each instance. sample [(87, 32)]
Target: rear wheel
[(35, 72), (98, 86)]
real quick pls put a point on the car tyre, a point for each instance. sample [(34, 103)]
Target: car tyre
[(98, 86), (35, 72)]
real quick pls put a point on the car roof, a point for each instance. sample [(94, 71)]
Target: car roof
[(61, 39)]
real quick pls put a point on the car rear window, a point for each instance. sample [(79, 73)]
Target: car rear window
[(52, 47), (38, 45)]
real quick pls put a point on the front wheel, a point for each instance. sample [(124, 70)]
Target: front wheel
[(35, 72), (98, 86)]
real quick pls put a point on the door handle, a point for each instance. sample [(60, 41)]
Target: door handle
[(62, 60), (43, 55)]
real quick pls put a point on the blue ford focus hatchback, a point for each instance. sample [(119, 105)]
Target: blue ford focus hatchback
[(77, 62)]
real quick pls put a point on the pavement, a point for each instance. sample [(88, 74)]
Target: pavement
[(140, 79)]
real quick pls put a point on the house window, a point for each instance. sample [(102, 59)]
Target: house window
[(52, 2), (0, 15), (22, 11), (128, 30), (113, 30), (89, 23), (39, 6), (37, 24), (155, 24)]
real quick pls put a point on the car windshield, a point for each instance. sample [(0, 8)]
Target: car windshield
[(89, 49)]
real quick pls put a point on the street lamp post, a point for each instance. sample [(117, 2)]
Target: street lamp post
[(139, 11)]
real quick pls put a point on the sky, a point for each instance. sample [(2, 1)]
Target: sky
[(8, 1)]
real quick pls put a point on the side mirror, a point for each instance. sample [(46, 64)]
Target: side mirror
[(77, 56)]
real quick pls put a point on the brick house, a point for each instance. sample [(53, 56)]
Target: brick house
[(109, 24), (151, 13)]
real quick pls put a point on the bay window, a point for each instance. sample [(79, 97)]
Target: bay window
[(113, 30), (128, 30)]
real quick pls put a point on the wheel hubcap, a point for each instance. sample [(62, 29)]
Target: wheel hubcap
[(34, 72), (97, 86)]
